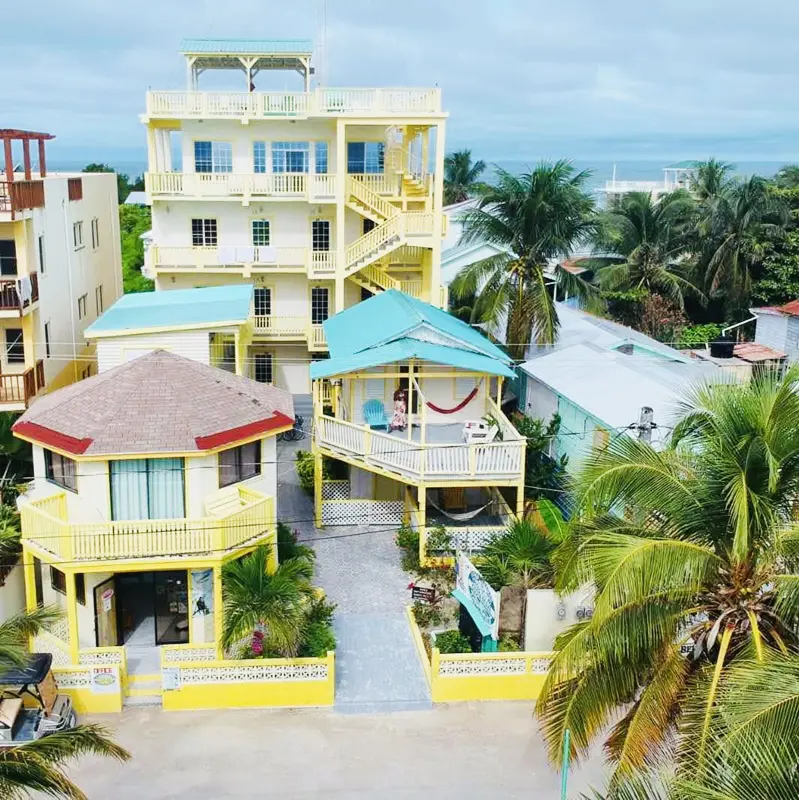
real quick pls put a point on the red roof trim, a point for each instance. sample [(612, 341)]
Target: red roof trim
[(51, 438), (277, 420)]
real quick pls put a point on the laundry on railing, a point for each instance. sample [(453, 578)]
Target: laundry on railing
[(25, 289), (226, 255)]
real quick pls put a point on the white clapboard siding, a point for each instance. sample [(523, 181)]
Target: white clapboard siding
[(119, 349)]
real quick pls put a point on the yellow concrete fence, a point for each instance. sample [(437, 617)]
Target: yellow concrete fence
[(97, 684), (192, 679), (480, 676)]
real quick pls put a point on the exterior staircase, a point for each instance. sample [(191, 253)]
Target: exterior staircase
[(367, 202), (375, 279)]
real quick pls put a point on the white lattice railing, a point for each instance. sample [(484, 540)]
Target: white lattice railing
[(320, 102), (103, 656), (253, 671), (335, 490), (362, 512), (187, 653), (46, 642), (466, 665), (473, 539)]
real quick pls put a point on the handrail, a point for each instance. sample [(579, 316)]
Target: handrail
[(380, 277), (371, 199), (394, 230)]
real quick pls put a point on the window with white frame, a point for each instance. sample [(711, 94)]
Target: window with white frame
[(320, 304), (95, 233), (77, 234), (290, 157), (321, 158), (320, 235), (203, 233), (262, 301), (259, 157), (260, 233), (264, 368), (213, 157)]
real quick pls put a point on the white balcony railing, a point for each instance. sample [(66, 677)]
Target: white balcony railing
[(236, 256), (498, 460), (282, 327), (320, 102), (302, 186)]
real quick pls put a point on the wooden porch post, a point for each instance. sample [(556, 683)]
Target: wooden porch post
[(42, 162), (72, 616), (422, 492), (26, 157), (410, 398), (9, 160), (520, 500), (218, 611)]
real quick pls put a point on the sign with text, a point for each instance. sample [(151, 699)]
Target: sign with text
[(482, 599), (426, 593)]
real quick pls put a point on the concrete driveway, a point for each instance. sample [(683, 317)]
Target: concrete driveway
[(457, 752)]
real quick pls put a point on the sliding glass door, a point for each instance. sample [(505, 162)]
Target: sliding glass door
[(147, 488)]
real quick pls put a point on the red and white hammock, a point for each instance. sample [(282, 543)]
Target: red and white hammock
[(463, 403)]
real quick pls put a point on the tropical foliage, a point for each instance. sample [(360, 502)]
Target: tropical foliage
[(461, 176), (692, 554), (533, 219), (133, 222), (41, 765)]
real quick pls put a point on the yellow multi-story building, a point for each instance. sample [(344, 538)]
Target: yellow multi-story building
[(60, 267), (320, 197)]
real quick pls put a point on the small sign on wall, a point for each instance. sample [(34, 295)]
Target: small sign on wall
[(170, 678), (105, 680)]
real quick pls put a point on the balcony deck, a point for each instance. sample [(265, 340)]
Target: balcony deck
[(286, 328), (443, 458), (322, 102), (45, 525), (305, 187)]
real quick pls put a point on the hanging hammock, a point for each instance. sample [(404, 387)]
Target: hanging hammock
[(465, 402), (464, 516)]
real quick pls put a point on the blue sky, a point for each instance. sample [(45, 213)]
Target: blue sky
[(610, 79)]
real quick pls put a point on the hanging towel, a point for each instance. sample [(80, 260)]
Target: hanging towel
[(25, 289), (226, 255), (245, 255)]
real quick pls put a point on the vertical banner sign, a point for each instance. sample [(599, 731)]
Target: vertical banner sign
[(482, 601)]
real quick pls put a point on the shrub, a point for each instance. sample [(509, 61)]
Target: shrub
[(407, 540), (452, 642), (699, 335), (288, 547), (305, 470), (439, 541), (321, 611), (318, 640), (427, 615), (508, 643)]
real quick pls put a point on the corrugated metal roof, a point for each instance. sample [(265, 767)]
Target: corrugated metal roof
[(175, 308), (753, 352), (246, 46)]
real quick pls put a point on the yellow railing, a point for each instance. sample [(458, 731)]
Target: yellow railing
[(160, 538), (415, 288), (289, 258), (381, 183), (388, 235), (279, 327), (302, 186), (379, 277), (500, 460), (321, 262), (316, 339), (320, 102), (364, 195)]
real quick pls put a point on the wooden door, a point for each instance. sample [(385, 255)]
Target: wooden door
[(105, 614)]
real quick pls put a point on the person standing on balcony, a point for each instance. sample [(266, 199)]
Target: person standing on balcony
[(399, 420)]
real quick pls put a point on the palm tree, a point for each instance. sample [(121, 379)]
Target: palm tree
[(734, 226), (275, 601), (712, 178), (787, 177), (533, 218), (461, 176), (648, 240), (39, 766), (693, 558)]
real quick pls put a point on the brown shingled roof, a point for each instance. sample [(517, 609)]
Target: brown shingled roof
[(158, 403)]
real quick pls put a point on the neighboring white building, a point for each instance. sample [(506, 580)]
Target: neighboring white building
[(681, 175), (319, 197), (599, 376), (60, 267), (777, 327)]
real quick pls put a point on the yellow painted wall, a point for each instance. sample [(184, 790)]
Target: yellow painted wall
[(87, 701)]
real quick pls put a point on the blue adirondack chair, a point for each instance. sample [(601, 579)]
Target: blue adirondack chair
[(375, 414)]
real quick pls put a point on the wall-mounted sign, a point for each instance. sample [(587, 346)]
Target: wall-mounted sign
[(474, 592), (170, 678), (105, 680)]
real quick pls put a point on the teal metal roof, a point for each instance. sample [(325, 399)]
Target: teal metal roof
[(392, 327), (248, 46), (179, 308), (688, 164)]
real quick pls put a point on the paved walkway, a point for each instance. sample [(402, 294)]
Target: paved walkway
[(377, 668)]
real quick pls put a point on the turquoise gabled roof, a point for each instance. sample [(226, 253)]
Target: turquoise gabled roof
[(392, 327), (178, 308), (248, 46)]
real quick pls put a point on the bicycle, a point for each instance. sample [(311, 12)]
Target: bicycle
[(294, 434)]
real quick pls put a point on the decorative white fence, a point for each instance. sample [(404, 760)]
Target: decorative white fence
[(311, 187), (362, 512), (335, 490)]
